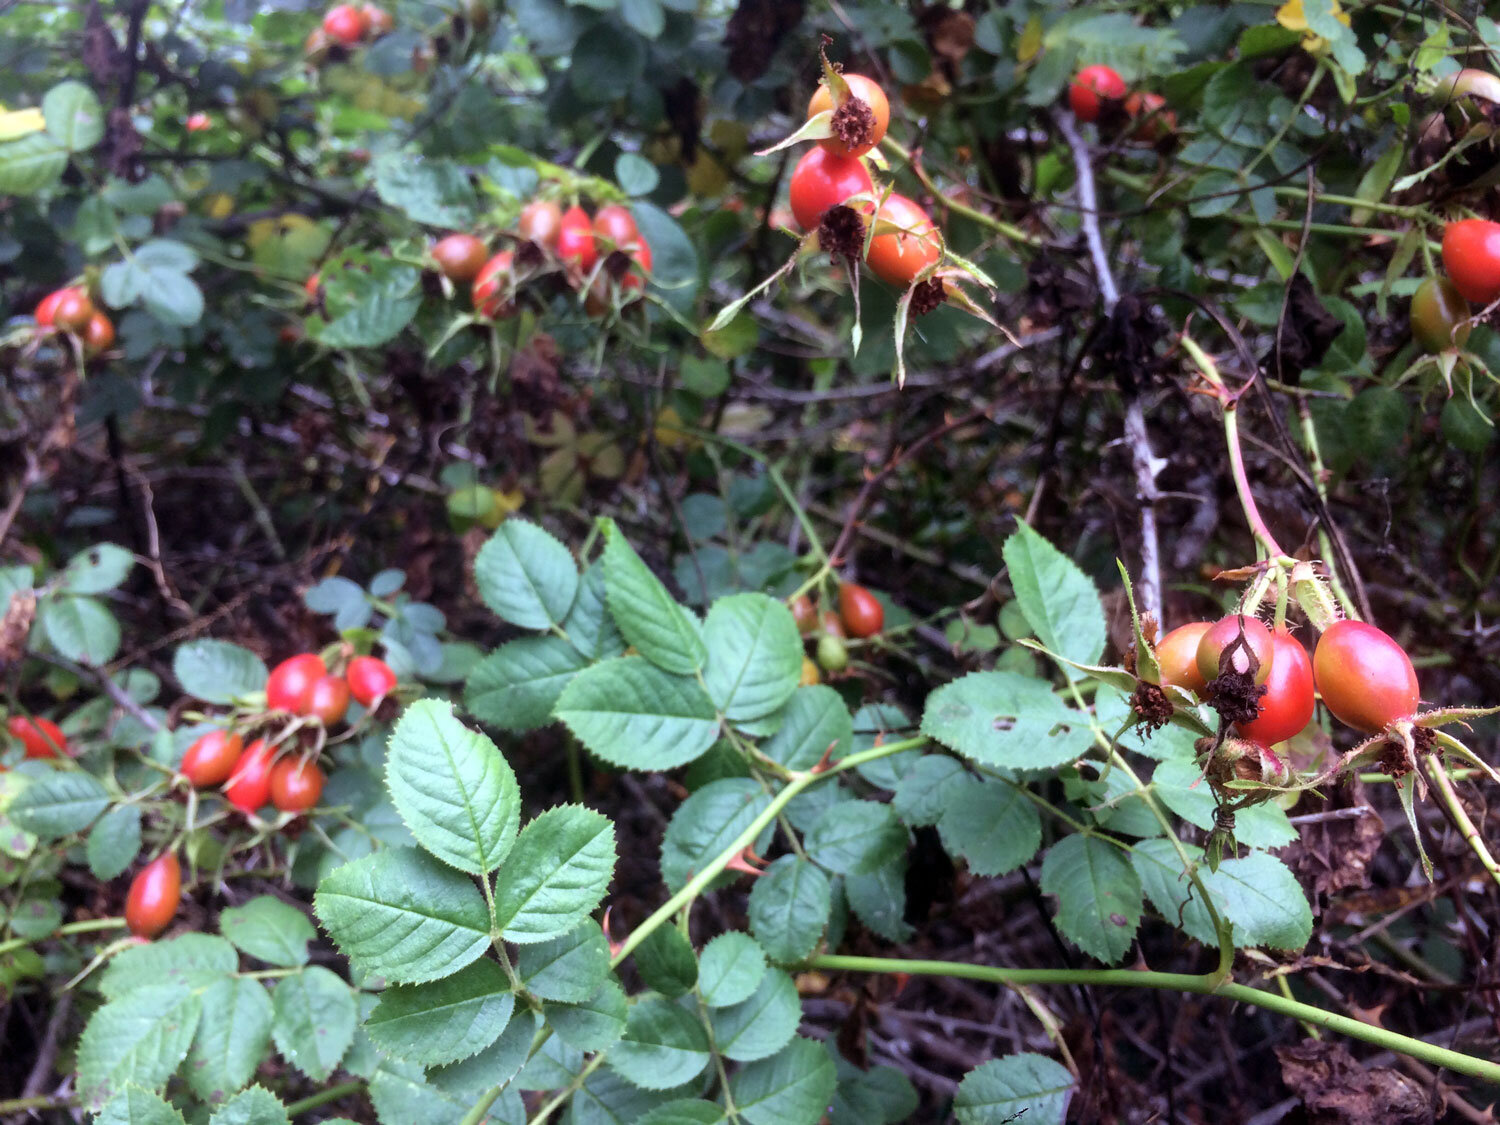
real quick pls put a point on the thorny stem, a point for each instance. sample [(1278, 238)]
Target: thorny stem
[(1449, 796), (699, 882), (1204, 985), (696, 886), (1258, 527)]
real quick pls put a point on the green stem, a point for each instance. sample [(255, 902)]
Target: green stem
[(699, 882), (563, 1095), (1325, 542), (1449, 796), (1258, 526), (46, 1101), (482, 1106), (1206, 985), (999, 226), (91, 926), (323, 1097)]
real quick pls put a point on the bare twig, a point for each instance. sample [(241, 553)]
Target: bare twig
[(46, 1055), (1143, 460)]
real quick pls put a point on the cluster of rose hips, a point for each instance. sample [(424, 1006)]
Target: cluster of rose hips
[(71, 310), (859, 615), (605, 255), (1364, 677), (1099, 95), (832, 175), (347, 25), (256, 773)]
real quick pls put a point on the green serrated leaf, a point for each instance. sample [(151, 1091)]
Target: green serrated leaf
[(814, 720), (730, 968), (663, 1046), (632, 714), (1099, 895), (453, 787), (526, 576), (232, 1037), (401, 914), (1059, 601), (59, 804), (569, 968), (516, 686), (314, 1020), (856, 837), (762, 1024), (706, 823), (647, 616), (446, 1020), (138, 1039), (217, 671), (754, 655), (667, 963), (1017, 1088), (276, 932), (115, 841), (992, 825), (79, 628), (793, 1087), (75, 119), (135, 1106), (557, 874), (789, 909), (255, 1106), (1006, 720)]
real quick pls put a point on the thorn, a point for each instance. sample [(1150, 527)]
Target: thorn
[(614, 946), (741, 864), (824, 761)]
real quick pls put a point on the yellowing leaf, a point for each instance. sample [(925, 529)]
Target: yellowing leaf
[(1293, 16), (1031, 40), (20, 123)]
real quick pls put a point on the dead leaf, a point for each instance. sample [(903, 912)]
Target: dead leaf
[(1336, 1090)]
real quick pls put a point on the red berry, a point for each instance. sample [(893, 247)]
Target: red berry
[(460, 257), (328, 701), (1177, 656), (1366, 679), (249, 787), (822, 180), (1287, 706), (154, 896), (41, 738), (540, 222), (296, 784), (346, 24), (860, 610), (491, 291), (370, 679), (866, 91), (291, 683), (1091, 88), (73, 311), (1226, 632), (898, 256), (1471, 255), (211, 759), (575, 241)]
